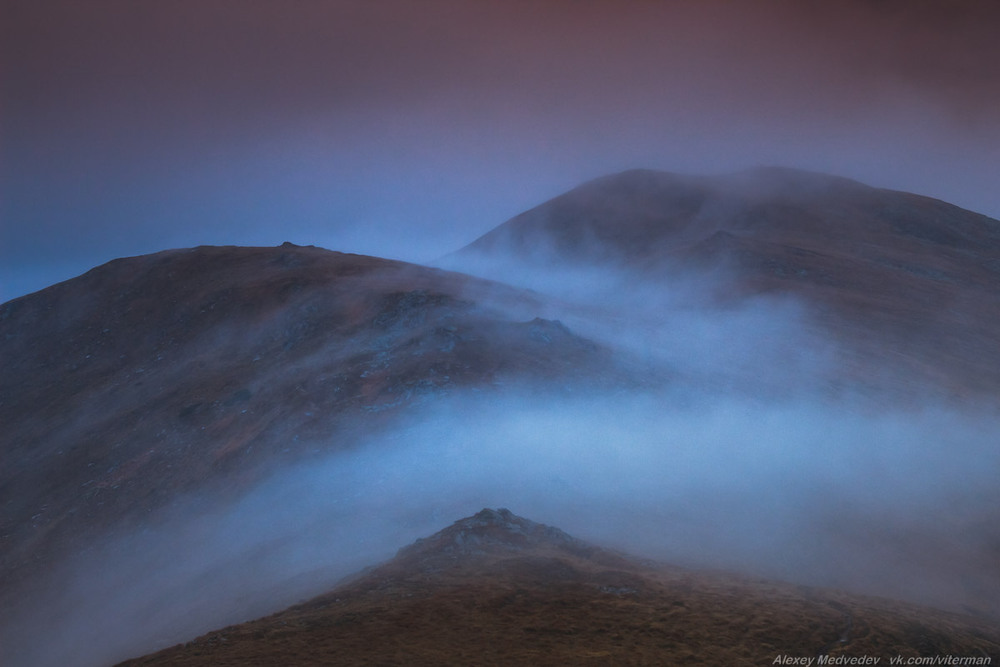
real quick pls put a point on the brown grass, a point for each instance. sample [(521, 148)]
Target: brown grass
[(543, 606)]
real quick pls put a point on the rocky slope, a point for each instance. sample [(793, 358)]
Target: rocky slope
[(495, 588)]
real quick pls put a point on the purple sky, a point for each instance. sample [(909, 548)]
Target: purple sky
[(406, 129)]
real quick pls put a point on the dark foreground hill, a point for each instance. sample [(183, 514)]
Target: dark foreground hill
[(911, 283), (497, 589)]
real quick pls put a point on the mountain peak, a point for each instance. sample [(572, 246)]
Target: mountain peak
[(644, 191), (843, 249), (494, 531), (649, 218), (497, 545)]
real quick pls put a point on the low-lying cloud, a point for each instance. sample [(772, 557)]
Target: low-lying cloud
[(895, 503), (729, 451)]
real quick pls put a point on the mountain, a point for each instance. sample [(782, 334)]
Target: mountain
[(206, 369), (495, 588), (185, 433), (880, 269)]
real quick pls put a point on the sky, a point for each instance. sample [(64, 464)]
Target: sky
[(406, 129)]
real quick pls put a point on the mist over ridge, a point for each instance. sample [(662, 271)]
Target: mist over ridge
[(870, 268), (269, 419), (897, 504), (790, 372)]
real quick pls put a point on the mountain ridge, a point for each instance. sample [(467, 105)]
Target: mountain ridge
[(196, 373)]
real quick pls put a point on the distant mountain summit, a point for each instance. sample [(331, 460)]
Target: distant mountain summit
[(642, 218), (495, 588), (882, 270)]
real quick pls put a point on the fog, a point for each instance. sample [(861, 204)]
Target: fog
[(729, 451), (406, 131), (680, 326), (896, 503)]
